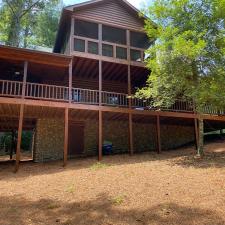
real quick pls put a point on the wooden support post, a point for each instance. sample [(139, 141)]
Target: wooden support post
[(100, 136), (12, 145), (158, 135), (66, 132), (196, 133), (70, 81), (20, 127), (129, 71), (71, 47), (131, 134), (100, 117), (19, 137)]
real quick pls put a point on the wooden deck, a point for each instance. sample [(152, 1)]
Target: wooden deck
[(90, 98)]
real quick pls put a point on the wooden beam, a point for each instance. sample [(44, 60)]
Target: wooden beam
[(131, 145), (196, 133), (159, 135), (70, 80), (71, 47), (66, 139), (100, 136), (24, 79), (19, 137), (20, 127), (12, 145)]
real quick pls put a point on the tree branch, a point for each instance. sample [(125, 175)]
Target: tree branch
[(10, 6), (29, 8)]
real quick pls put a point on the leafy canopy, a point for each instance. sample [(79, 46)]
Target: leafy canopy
[(26, 23), (188, 58)]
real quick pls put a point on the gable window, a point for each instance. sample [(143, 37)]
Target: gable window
[(86, 29), (107, 50), (114, 35), (79, 45), (139, 40)]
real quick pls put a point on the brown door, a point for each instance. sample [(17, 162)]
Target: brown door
[(76, 139)]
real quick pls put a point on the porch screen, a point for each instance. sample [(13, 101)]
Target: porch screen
[(93, 47), (114, 35), (139, 40), (121, 53), (135, 55), (79, 45), (107, 50), (86, 29)]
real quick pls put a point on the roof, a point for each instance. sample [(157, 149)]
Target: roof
[(21, 54), (67, 11)]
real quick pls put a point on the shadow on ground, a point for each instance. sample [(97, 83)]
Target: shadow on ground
[(186, 157), (100, 211), (31, 168)]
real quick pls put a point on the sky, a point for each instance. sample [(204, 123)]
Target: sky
[(136, 3)]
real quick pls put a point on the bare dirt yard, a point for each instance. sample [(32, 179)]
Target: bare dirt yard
[(172, 188)]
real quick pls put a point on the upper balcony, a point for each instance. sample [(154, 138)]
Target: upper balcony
[(92, 40)]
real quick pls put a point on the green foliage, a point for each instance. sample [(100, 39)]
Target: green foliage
[(26, 23), (188, 57), (6, 140)]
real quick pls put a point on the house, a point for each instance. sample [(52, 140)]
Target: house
[(79, 96)]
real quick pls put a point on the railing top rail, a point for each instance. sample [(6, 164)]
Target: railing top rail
[(11, 81), (116, 93), (49, 85)]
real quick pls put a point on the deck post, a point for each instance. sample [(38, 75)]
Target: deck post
[(20, 127), (196, 133), (131, 145), (158, 135), (100, 135), (66, 131), (70, 81), (19, 137), (100, 117), (12, 145)]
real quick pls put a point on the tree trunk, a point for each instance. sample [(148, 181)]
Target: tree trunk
[(201, 138), (14, 31)]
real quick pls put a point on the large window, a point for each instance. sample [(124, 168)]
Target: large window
[(86, 29), (114, 35), (139, 40)]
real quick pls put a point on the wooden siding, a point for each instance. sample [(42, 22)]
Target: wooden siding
[(111, 13), (92, 84)]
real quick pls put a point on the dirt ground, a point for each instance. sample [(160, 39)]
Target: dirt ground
[(172, 188)]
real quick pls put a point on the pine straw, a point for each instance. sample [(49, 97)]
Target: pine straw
[(172, 188)]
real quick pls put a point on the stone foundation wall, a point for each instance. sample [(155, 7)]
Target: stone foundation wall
[(49, 140), (49, 137)]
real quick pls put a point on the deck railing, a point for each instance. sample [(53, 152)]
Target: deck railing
[(114, 99), (48, 92), (86, 96), (10, 88)]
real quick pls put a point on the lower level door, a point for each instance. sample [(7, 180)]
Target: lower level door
[(76, 139)]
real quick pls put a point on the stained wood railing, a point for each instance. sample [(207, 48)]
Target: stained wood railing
[(87, 96), (10, 88), (48, 92), (114, 99)]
